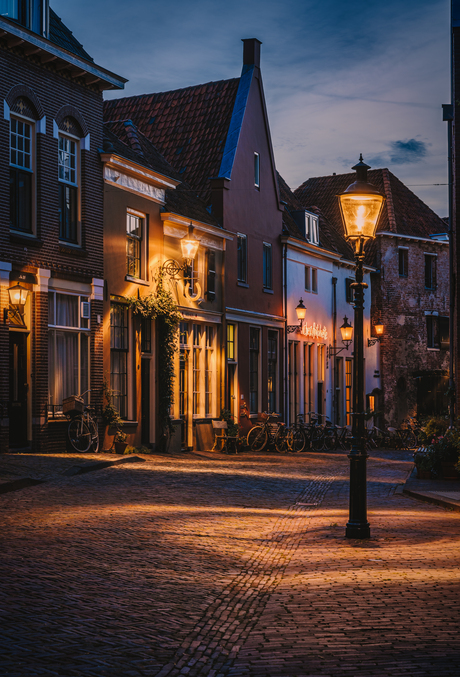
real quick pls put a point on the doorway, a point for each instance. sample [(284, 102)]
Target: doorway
[(18, 389)]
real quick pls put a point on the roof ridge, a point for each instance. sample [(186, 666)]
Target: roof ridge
[(169, 91)]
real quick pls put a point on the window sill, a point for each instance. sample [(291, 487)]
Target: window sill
[(268, 291), (24, 239), (434, 350), (253, 415), (243, 284), (137, 280), (72, 250)]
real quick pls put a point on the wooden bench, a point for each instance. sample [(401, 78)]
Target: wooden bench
[(222, 440)]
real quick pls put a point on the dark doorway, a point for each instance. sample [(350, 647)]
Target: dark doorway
[(431, 395), (18, 389), (145, 401)]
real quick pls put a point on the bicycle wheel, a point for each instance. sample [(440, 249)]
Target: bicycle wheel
[(330, 439), (296, 440), (317, 439), (92, 425), (281, 444), (257, 438), (79, 434), (411, 439)]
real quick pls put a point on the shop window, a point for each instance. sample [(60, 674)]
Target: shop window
[(242, 258), (403, 262), (254, 340), (68, 347), (21, 175), (267, 266), (197, 350), (119, 347), (209, 370), (135, 227), (272, 370), (430, 271)]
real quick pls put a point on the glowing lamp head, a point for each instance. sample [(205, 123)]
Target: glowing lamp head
[(18, 296), (346, 330), (378, 328), (360, 205), (301, 311), (189, 246)]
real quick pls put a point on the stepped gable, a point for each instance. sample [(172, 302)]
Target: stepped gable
[(329, 239), (60, 35), (120, 137), (403, 212), (188, 126)]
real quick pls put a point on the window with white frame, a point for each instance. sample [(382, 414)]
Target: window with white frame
[(134, 235), (119, 348), (311, 279), (209, 370), (311, 228), (68, 346), (267, 266), (197, 331), (68, 189), (21, 174)]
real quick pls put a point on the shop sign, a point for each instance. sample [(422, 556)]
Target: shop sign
[(314, 331)]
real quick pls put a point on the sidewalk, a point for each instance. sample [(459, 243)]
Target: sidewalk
[(440, 492)]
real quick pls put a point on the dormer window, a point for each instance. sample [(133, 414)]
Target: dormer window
[(31, 14), (311, 228)]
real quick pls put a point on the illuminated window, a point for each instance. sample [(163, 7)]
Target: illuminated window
[(134, 235), (68, 189)]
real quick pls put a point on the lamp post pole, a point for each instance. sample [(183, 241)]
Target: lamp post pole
[(361, 205), (358, 526)]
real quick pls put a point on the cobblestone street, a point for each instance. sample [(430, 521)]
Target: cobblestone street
[(227, 565)]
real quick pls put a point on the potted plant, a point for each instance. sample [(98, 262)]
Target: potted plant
[(446, 450), (113, 421), (423, 459), (119, 442)]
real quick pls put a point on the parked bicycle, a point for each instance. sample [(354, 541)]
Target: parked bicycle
[(270, 431), (82, 431)]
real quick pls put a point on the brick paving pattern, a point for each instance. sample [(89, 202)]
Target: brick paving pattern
[(227, 566)]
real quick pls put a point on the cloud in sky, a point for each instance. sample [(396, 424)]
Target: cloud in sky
[(339, 78)]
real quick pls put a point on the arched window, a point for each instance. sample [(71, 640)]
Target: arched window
[(69, 137), (22, 165)]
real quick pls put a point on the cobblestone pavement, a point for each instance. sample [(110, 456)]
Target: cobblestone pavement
[(227, 566)]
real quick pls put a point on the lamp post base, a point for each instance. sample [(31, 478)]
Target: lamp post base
[(358, 530)]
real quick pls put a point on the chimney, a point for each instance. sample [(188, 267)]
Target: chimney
[(251, 52)]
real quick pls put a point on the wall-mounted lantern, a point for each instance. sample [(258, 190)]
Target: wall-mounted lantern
[(301, 312), (346, 330), (17, 297), (189, 247), (378, 331)]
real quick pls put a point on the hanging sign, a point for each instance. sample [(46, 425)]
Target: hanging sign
[(314, 331)]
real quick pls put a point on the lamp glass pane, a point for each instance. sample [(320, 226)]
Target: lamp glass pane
[(301, 312), (189, 247), (347, 333), (360, 214), (378, 329)]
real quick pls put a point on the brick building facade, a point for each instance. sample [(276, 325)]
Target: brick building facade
[(51, 223)]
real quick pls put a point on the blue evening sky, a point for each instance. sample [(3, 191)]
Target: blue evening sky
[(340, 78)]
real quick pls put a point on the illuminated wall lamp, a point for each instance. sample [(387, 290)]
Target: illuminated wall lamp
[(301, 312), (378, 330), (346, 331), (17, 301), (189, 247)]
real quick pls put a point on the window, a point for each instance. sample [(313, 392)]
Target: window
[(293, 374), (68, 347), (268, 278), (15, 9), (321, 379), (119, 346), (231, 353), (134, 234), (21, 175), (196, 331), (437, 331), (254, 336), (314, 280), (349, 292), (403, 262), (272, 369), (191, 277), (307, 278), (430, 271), (211, 275), (257, 170), (311, 228), (146, 335), (183, 367), (68, 189), (209, 370), (242, 258)]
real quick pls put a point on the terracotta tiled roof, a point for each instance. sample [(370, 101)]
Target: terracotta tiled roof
[(124, 139), (188, 126), (62, 36), (403, 213), (329, 238)]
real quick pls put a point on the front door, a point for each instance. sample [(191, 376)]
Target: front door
[(18, 389)]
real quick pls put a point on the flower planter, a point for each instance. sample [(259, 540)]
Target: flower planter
[(120, 447), (449, 472)]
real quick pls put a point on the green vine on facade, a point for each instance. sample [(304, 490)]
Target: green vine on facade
[(160, 306)]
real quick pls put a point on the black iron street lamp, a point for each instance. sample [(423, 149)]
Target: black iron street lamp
[(360, 204)]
